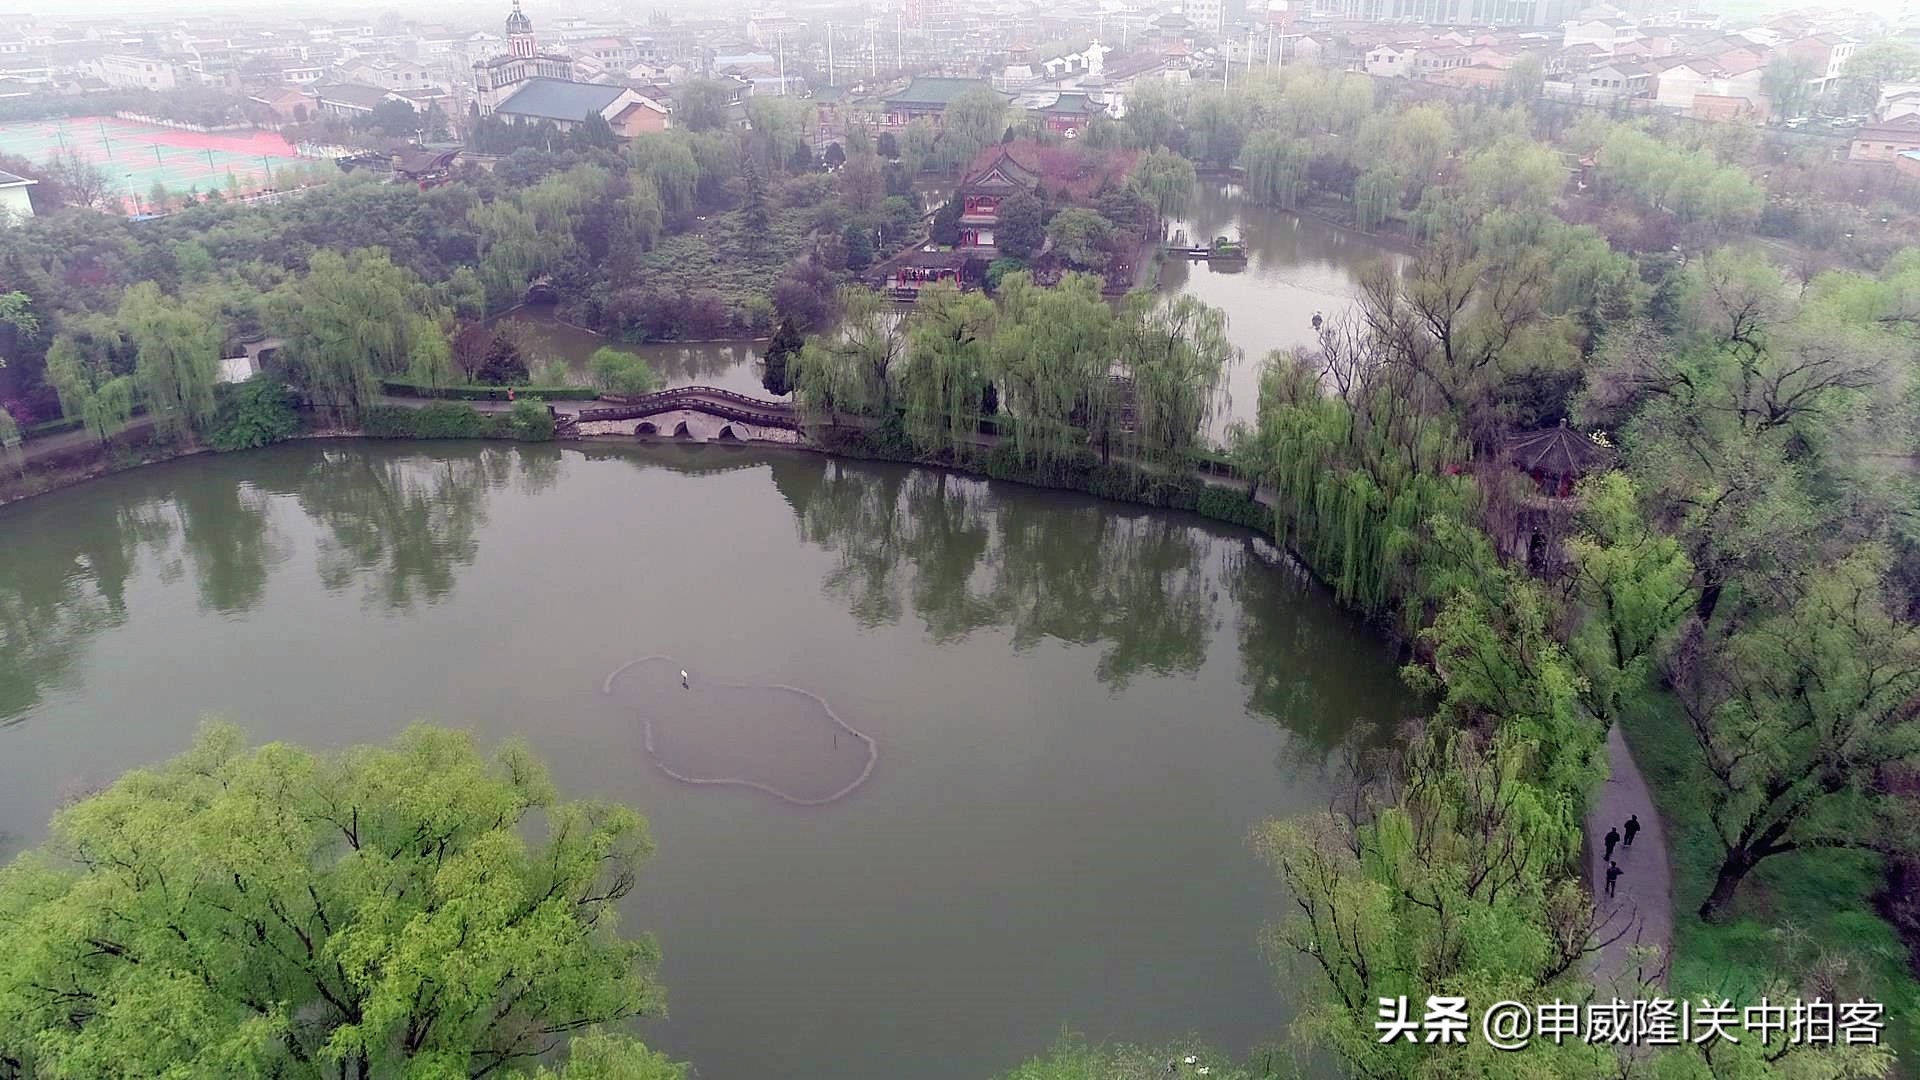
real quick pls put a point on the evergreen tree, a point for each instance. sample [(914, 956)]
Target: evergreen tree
[(786, 342)]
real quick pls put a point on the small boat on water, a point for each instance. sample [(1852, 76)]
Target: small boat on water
[(1227, 250)]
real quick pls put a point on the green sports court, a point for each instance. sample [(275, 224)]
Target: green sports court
[(136, 155)]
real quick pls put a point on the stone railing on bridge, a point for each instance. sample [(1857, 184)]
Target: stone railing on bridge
[(713, 401)]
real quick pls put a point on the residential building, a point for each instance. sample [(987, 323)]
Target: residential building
[(1205, 15), (389, 73), (286, 103), (136, 72), (1906, 163), (642, 117), (1885, 141), (1825, 55), (1388, 61), (1895, 106), (1607, 34), (349, 99), (1616, 79)]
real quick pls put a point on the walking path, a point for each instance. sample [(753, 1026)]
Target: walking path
[(1641, 910)]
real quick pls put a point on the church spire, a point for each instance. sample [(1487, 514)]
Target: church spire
[(519, 32)]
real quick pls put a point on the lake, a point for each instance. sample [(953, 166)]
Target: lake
[(1295, 266), (1078, 709)]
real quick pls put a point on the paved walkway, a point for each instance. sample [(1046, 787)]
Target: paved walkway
[(1641, 910)]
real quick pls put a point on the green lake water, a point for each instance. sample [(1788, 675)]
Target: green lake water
[(1080, 708)]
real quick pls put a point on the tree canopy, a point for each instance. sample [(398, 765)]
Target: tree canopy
[(273, 911)]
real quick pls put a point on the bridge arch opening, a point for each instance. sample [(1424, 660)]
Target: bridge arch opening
[(646, 427), (727, 435), (680, 431)]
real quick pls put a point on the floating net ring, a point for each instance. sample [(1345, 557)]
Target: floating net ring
[(872, 748)]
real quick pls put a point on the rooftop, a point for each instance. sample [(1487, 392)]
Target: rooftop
[(1076, 102), (1557, 451), (925, 90), (354, 94), (8, 180), (552, 99)]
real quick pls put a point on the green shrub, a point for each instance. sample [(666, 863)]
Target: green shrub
[(388, 422), (530, 421), (52, 427), (448, 420), (252, 414), (1234, 508), (620, 372), (475, 392)]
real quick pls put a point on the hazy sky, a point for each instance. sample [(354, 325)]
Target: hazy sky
[(487, 12)]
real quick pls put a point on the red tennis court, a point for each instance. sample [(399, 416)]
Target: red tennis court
[(136, 155)]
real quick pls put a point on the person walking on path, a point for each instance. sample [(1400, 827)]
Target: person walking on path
[(1613, 838), (1613, 873), (1633, 826)]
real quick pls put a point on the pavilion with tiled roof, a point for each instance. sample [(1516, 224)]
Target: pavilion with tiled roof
[(1557, 457)]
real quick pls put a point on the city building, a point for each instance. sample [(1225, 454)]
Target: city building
[(567, 103), (1069, 113), (136, 72), (1885, 141), (497, 79), (927, 98)]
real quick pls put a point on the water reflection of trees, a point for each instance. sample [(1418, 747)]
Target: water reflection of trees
[(229, 537), (406, 525), (1296, 653), (962, 558), (62, 585)]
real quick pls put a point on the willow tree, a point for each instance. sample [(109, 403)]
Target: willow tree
[(349, 320), (430, 355), (1276, 168), (80, 370), (1376, 193), (1444, 874), (511, 248), (178, 358), (411, 909), (944, 380), (1175, 354), (1166, 180), (851, 369), (667, 160), (1052, 362), (974, 120), (1634, 586)]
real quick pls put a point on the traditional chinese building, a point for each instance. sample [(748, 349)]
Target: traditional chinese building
[(927, 98), (982, 191), (1070, 112), (1554, 459)]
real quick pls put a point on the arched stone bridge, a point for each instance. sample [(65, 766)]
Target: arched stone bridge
[(697, 413)]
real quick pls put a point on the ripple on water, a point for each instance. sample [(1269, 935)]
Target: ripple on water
[(772, 738)]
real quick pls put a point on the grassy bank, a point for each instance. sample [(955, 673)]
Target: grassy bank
[(1798, 914)]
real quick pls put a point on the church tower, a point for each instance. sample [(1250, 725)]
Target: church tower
[(519, 32)]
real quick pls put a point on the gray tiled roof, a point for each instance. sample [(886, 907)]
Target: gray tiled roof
[(552, 99)]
